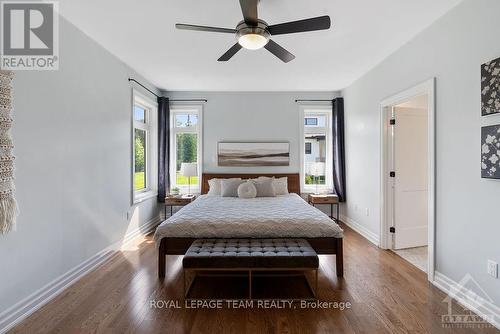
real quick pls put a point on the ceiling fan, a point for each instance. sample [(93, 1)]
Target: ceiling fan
[(253, 34)]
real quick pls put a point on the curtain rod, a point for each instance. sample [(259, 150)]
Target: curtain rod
[(314, 100), (175, 100)]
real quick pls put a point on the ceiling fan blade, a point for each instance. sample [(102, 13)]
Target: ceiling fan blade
[(249, 9), (279, 51), (316, 23), (230, 53), (204, 28)]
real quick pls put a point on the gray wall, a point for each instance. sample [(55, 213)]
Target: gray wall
[(251, 116), (72, 136), (452, 50)]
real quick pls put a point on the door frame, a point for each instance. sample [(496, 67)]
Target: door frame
[(387, 201)]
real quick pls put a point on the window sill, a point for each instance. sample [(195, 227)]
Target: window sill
[(141, 197), (321, 190), (184, 190)]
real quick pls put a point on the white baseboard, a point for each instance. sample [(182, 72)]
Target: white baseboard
[(142, 230), (369, 235), (469, 299), (24, 308)]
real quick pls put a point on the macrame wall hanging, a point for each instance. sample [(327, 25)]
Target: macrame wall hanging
[(8, 205)]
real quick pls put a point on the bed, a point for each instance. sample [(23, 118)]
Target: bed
[(284, 216)]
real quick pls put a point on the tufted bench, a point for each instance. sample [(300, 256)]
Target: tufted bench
[(250, 255)]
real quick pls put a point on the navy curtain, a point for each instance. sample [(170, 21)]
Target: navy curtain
[(338, 148), (163, 147)]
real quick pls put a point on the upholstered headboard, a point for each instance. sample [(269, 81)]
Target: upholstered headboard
[(293, 180)]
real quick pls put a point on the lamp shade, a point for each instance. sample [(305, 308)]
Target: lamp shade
[(317, 169), (189, 169)]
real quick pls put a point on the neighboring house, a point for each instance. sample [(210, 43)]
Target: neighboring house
[(315, 145), (315, 150)]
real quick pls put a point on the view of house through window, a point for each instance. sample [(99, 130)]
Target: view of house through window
[(316, 157), (315, 161)]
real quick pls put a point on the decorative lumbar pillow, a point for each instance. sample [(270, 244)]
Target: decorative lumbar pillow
[(280, 184), (214, 187), (229, 187), (265, 187), (247, 190)]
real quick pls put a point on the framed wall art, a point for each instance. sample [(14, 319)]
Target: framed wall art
[(490, 87), (253, 154), (490, 152)]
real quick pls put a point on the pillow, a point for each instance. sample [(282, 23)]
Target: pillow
[(214, 187), (247, 190), (280, 185), (229, 187), (265, 187)]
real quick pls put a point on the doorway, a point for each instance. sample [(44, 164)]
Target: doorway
[(407, 222)]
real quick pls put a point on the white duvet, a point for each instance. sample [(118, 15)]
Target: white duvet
[(262, 217)]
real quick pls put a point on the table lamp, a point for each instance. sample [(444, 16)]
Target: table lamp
[(317, 169), (189, 169)]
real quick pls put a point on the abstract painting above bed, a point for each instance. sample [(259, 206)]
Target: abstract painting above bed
[(253, 154)]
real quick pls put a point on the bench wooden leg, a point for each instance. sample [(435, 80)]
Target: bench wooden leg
[(316, 284), (339, 257), (249, 284), (313, 285), (188, 280), (162, 259)]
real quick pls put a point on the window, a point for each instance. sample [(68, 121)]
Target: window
[(140, 159), (310, 121), (185, 147), (308, 148), (316, 161), (316, 121), (144, 114)]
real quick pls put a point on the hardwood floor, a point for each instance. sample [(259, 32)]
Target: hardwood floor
[(388, 295)]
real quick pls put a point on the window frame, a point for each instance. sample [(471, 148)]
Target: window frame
[(180, 108), (150, 126), (310, 111)]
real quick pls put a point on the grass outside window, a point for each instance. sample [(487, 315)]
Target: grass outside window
[(184, 181), (139, 182)]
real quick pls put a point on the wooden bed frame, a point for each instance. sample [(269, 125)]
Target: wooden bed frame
[(179, 246)]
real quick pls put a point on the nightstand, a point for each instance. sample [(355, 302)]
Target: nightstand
[(177, 201), (331, 199)]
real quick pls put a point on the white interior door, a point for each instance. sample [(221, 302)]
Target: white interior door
[(410, 184)]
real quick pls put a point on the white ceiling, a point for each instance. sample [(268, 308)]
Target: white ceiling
[(142, 34)]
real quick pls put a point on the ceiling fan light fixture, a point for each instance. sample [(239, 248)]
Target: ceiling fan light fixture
[(252, 37), (253, 41), (253, 33)]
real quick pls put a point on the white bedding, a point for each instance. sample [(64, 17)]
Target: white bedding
[(262, 217)]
